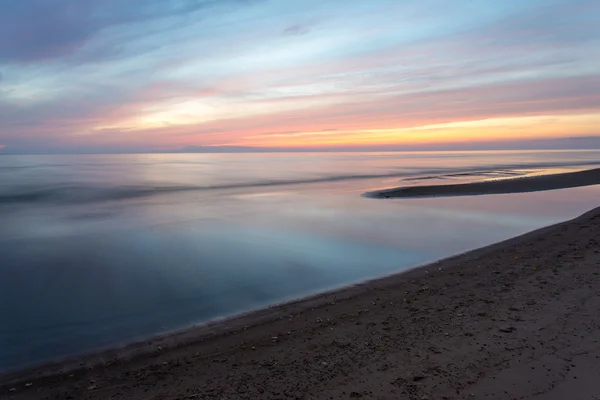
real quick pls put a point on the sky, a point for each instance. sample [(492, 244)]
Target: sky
[(166, 75)]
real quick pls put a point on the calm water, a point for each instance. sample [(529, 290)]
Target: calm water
[(102, 249)]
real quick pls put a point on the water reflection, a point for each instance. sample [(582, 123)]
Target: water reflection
[(79, 276)]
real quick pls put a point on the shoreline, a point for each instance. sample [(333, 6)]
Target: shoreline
[(223, 325), (262, 327), (524, 184)]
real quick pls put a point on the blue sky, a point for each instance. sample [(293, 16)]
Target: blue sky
[(145, 75)]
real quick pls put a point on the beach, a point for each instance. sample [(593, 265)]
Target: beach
[(514, 320)]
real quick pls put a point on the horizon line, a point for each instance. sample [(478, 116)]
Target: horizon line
[(284, 151)]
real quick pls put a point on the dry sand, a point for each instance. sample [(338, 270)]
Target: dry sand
[(516, 320), (512, 185)]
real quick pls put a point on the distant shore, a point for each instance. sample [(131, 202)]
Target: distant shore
[(517, 319), (503, 186)]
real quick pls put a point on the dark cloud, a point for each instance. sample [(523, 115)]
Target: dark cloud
[(38, 30), (296, 30)]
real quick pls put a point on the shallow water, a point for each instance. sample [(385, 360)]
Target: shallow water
[(103, 249)]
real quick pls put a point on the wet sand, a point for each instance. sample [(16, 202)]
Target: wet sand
[(514, 185), (515, 320)]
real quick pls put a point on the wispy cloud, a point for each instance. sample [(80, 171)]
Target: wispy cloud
[(39, 30), (166, 74)]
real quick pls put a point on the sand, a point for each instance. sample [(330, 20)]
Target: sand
[(515, 320), (503, 186)]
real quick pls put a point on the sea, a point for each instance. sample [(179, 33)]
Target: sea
[(102, 250)]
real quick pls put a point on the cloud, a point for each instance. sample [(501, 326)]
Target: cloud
[(295, 30), (556, 23), (33, 30), (393, 111), (163, 75), (40, 30)]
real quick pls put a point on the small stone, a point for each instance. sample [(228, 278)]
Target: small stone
[(507, 329), (28, 384), (324, 364), (91, 387)]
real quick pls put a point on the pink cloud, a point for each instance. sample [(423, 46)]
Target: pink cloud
[(544, 97), (352, 110)]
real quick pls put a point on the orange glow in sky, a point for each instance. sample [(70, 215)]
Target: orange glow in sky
[(293, 74)]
